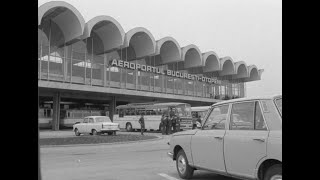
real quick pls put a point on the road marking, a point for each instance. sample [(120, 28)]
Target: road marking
[(167, 176)]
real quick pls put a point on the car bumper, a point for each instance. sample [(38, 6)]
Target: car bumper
[(170, 154), (109, 130)]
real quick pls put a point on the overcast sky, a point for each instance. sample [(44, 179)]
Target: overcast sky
[(246, 30)]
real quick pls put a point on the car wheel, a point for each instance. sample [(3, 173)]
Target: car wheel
[(129, 127), (76, 132), (185, 171), (94, 132), (274, 173)]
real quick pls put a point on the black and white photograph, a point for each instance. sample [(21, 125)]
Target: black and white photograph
[(160, 89)]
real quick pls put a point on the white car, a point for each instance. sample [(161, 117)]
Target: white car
[(94, 125), (239, 138)]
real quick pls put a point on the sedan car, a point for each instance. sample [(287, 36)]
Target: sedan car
[(239, 138), (94, 125)]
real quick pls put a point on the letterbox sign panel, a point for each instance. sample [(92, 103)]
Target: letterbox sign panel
[(156, 70)]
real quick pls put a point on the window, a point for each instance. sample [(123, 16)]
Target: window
[(85, 120), (279, 105), (259, 120), (103, 119), (242, 115), (91, 120), (217, 118)]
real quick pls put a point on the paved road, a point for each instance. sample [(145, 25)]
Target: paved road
[(135, 161)]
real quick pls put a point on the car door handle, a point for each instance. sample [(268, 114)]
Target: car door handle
[(259, 139), (218, 137)]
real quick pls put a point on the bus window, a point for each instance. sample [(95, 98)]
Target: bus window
[(121, 112)]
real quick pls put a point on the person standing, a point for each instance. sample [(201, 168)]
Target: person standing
[(163, 124), (141, 122), (174, 121)]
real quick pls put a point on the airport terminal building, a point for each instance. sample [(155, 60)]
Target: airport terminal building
[(96, 66)]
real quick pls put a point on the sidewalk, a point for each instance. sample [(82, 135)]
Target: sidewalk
[(70, 133)]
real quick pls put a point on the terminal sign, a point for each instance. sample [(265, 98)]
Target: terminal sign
[(156, 70)]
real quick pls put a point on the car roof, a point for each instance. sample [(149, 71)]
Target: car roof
[(95, 116), (249, 98)]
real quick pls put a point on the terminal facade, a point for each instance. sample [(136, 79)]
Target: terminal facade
[(97, 66)]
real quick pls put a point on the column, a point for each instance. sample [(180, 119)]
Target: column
[(241, 89), (229, 89), (112, 107), (216, 90), (56, 111)]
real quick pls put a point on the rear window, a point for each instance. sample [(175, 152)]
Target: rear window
[(103, 119), (279, 105)]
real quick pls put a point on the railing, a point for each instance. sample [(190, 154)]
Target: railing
[(98, 74)]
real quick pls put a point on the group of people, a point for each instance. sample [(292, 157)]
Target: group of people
[(169, 123)]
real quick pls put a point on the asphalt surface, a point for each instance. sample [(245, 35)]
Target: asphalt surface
[(145, 160)]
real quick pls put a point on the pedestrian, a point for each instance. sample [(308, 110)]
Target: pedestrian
[(141, 122), (178, 123), (169, 125), (174, 121), (163, 124)]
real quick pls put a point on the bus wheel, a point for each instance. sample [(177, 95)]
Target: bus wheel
[(128, 127)]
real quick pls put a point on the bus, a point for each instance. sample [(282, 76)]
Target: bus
[(128, 115), (199, 111), (68, 117)]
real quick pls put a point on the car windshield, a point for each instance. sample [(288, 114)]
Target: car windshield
[(103, 119)]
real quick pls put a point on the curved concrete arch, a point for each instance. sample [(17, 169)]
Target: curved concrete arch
[(253, 73), (42, 38), (107, 29), (227, 66), (260, 71), (191, 56), (141, 40), (67, 17), (168, 49), (211, 62), (241, 70)]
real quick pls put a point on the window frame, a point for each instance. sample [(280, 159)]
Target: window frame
[(262, 113), (239, 102), (209, 113), (277, 106)]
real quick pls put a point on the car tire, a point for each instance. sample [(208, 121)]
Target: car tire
[(76, 132), (129, 127), (94, 132), (185, 171), (274, 172)]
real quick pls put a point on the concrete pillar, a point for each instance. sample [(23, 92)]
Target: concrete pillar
[(56, 111), (241, 89), (229, 89), (216, 90), (112, 107)]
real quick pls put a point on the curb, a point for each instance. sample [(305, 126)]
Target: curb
[(98, 144)]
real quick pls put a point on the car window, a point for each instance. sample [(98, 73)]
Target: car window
[(279, 105), (258, 119), (85, 120), (91, 120), (103, 119), (242, 116), (217, 118)]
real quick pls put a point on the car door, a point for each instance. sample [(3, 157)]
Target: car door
[(89, 125), (81, 126), (245, 141), (207, 143)]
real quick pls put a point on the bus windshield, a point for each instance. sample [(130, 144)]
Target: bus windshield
[(183, 110)]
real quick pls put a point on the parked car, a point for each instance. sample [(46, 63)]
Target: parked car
[(94, 125), (239, 138)]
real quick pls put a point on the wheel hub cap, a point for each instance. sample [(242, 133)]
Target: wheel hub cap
[(181, 164)]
